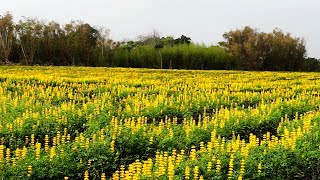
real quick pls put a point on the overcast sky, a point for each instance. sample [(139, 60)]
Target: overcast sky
[(203, 20)]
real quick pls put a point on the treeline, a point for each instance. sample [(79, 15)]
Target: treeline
[(34, 42)]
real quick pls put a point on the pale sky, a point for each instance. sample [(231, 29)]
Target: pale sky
[(203, 20)]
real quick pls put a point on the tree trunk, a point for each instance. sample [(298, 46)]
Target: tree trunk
[(160, 59)]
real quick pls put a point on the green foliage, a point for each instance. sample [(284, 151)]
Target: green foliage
[(254, 50), (312, 64)]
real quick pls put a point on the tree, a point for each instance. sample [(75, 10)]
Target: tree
[(312, 64), (167, 41), (183, 40), (29, 32), (6, 37), (51, 48), (103, 46), (254, 50), (70, 42), (149, 39), (81, 41), (86, 38)]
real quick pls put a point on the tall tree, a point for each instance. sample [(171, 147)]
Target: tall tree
[(103, 46), (6, 37), (51, 50), (29, 32), (86, 41)]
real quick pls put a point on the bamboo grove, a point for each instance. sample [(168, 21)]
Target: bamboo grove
[(113, 123)]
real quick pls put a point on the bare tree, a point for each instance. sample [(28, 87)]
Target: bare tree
[(150, 39), (102, 41)]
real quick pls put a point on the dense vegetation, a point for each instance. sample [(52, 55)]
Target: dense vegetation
[(254, 50), (34, 42), (98, 123)]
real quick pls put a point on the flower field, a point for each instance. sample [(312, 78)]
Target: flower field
[(114, 123)]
